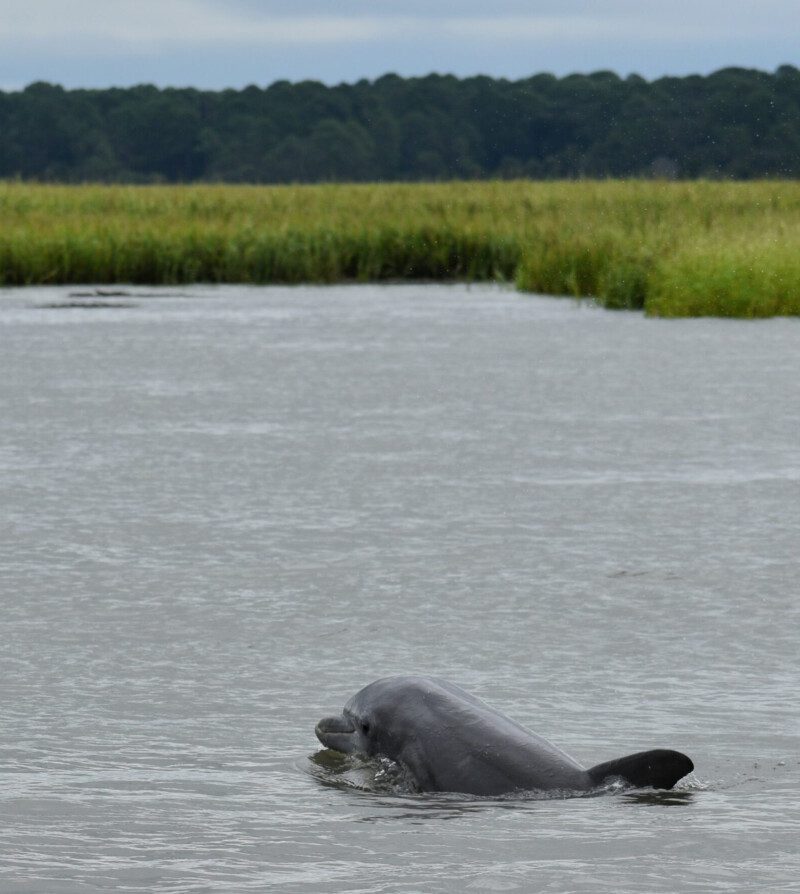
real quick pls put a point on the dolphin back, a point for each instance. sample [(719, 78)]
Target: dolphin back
[(660, 768)]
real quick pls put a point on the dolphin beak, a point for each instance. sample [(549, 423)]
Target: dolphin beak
[(337, 733)]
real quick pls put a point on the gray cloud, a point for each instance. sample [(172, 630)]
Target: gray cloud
[(211, 43)]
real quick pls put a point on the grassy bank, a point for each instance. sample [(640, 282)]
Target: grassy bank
[(674, 249)]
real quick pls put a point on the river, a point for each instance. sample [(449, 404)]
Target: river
[(226, 509)]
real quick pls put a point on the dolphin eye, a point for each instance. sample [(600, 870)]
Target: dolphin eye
[(365, 727)]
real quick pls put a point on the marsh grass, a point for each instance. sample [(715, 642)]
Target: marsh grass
[(674, 249), (754, 276)]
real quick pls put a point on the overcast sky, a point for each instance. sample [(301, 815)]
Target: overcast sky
[(214, 44)]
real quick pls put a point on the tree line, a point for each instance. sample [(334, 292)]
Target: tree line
[(735, 123)]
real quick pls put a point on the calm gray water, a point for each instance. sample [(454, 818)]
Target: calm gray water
[(224, 510)]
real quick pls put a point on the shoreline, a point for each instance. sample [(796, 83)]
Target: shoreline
[(690, 248)]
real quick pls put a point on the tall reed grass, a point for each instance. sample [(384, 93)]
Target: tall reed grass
[(674, 249)]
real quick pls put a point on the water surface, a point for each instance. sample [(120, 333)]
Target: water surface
[(224, 510)]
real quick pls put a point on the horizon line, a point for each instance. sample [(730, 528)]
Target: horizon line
[(6, 90)]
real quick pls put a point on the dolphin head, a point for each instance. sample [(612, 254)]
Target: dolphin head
[(373, 722), (418, 722)]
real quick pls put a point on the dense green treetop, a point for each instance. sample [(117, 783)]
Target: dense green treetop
[(735, 123)]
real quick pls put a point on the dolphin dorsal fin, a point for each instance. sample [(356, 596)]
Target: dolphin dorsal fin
[(660, 768)]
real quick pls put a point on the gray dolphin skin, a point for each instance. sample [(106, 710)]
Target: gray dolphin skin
[(450, 741)]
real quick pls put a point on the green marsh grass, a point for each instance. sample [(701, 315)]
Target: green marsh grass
[(673, 249)]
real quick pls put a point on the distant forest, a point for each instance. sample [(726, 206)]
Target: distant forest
[(735, 123)]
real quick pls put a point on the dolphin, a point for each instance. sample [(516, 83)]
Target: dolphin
[(451, 741)]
